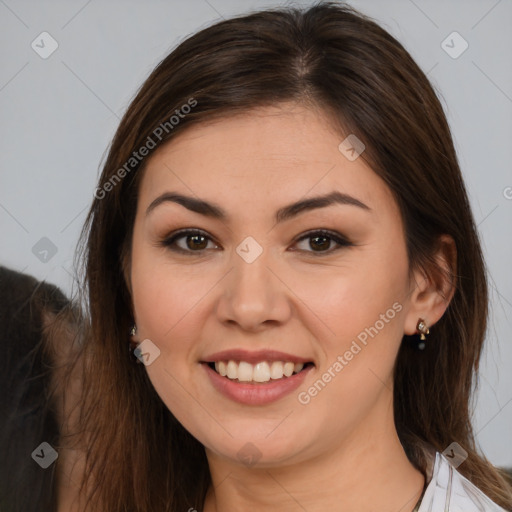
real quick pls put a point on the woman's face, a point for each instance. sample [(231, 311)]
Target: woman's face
[(253, 286)]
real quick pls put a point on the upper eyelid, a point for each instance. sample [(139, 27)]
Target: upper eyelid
[(326, 232)]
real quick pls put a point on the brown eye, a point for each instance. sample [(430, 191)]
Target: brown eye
[(187, 241), (195, 241), (320, 241)]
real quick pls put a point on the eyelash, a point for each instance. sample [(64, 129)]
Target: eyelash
[(336, 237)]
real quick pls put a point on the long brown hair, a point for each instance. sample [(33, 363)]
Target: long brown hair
[(328, 57)]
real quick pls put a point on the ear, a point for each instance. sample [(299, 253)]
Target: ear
[(433, 288), (126, 266), (126, 271)]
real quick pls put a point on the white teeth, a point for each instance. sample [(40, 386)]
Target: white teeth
[(221, 368), (276, 370), (288, 369), (260, 372), (245, 372), (232, 370)]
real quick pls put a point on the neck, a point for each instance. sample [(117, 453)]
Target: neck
[(366, 471)]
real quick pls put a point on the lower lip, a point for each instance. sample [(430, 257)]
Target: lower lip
[(256, 394)]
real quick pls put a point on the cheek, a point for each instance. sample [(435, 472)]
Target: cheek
[(354, 298), (363, 308), (164, 293), (167, 299), (363, 305)]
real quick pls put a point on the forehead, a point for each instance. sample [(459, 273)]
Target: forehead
[(269, 155)]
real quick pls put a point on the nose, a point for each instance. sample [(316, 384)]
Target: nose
[(254, 295)]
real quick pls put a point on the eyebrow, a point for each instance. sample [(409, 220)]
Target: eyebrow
[(287, 212)]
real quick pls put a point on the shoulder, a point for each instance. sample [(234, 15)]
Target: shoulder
[(449, 490)]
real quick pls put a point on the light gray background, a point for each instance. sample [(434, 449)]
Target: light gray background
[(59, 114)]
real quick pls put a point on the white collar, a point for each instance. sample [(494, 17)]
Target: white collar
[(449, 491)]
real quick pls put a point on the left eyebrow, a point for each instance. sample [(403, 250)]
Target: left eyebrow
[(215, 211)]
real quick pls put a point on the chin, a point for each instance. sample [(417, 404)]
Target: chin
[(257, 450)]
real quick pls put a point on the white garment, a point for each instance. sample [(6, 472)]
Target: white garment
[(449, 491)]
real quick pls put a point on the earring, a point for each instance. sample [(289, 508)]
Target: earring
[(423, 330), (132, 344)]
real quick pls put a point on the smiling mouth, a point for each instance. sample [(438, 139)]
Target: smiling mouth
[(259, 373)]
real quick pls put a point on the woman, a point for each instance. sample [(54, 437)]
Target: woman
[(286, 288)]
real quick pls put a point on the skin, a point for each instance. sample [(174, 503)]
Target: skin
[(295, 297)]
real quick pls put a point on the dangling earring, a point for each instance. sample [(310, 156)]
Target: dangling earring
[(423, 330), (132, 345)]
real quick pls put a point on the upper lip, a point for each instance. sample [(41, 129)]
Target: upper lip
[(253, 357)]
